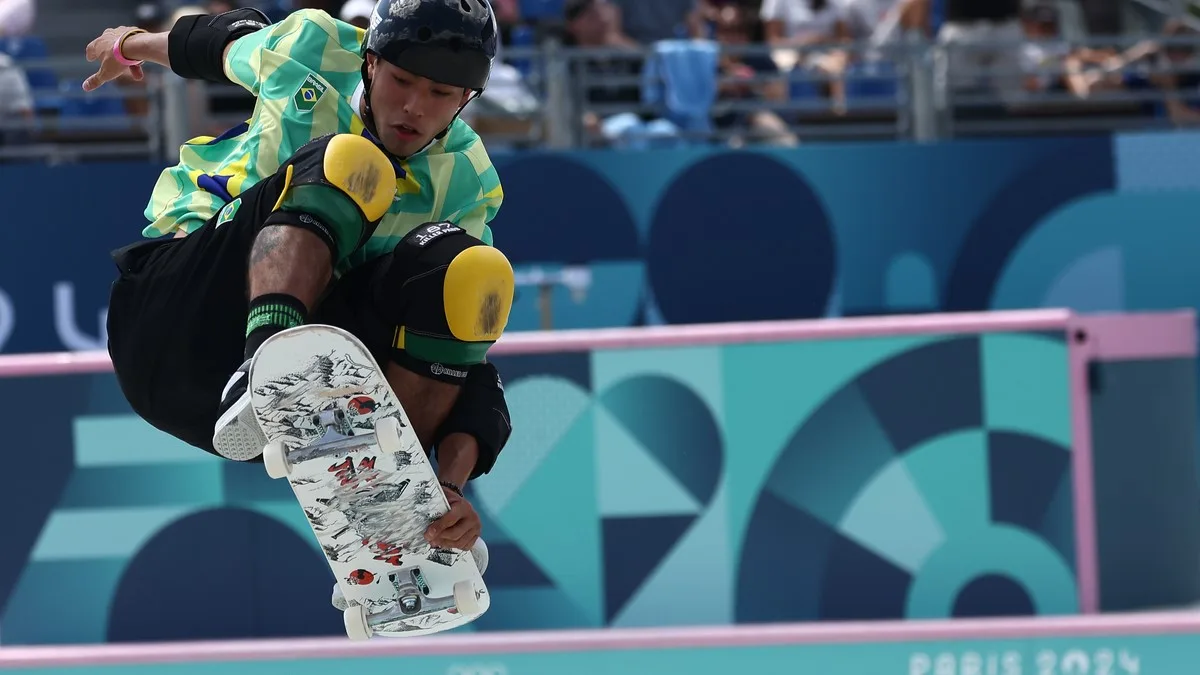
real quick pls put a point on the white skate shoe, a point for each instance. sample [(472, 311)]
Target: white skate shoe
[(479, 552), (237, 435)]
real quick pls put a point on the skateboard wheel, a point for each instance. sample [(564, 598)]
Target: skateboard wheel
[(465, 600), (275, 460), (387, 434), (357, 626)]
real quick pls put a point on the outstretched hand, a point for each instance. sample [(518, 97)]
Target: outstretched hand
[(101, 49), (459, 528)]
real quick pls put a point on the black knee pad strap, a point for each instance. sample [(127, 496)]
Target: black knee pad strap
[(306, 221)]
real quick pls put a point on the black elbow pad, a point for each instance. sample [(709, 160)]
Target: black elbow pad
[(196, 43), (481, 412)]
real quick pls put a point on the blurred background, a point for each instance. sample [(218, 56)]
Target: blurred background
[(666, 163)]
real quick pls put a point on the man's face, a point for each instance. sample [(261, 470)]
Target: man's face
[(410, 110)]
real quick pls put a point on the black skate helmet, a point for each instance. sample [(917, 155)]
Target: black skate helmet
[(453, 42)]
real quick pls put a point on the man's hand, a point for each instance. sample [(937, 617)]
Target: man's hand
[(101, 49), (459, 528)]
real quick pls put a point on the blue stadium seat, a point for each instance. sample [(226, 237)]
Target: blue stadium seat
[(872, 83), (802, 89), (43, 81), (76, 111), (24, 47), (522, 36), (538, 10)]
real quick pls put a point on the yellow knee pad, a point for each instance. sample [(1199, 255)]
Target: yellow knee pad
[(350, 190), (478, 294), (358, 168)]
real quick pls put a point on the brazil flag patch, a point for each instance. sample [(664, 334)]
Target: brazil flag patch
[(228, 212), (310, 91)]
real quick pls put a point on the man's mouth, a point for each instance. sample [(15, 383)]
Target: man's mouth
[(406, 132)]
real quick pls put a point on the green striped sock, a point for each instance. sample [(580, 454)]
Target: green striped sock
[(270, 314)]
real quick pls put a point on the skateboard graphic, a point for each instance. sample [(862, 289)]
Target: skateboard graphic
[(336, 431)]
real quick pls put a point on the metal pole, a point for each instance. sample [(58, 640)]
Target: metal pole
[(558, 103), (924, 95)]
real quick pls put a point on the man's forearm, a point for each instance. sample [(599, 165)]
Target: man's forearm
[(456, 458), (150, 47)]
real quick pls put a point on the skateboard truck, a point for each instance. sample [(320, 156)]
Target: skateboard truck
[(411, 595), (333, 421), (337, 439), (412, 600)]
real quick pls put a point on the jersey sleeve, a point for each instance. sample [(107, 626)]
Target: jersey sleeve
[(308, 39)]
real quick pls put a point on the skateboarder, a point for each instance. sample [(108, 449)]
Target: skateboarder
[(353, 196)]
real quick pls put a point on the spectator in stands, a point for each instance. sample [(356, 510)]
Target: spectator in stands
[(1050, 64), (813, 28), (508, 15), (1044, 56), (1174, 69), (649, 21), (596, 23), (702, 20), (856, 22), (985, 39), (357, 12), (903, 18), (862, 18), (737, 26), (799, 23), (16, 103), (1145, 66), (16, 17)]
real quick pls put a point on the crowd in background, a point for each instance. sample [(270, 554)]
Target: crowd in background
[(828, 53)]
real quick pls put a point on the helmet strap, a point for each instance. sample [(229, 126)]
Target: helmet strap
[(368, 117), (477, 94)]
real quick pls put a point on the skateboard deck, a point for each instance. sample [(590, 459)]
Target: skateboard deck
[(338, 433)]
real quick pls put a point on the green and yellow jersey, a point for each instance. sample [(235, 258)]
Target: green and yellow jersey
[(306, 75)]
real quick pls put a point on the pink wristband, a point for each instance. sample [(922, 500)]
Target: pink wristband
[(117, 49)]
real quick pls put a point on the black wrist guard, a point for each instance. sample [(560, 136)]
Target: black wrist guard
[(481, 412), (196, 43)]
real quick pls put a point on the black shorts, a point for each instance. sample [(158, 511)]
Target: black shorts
[(178, 308)]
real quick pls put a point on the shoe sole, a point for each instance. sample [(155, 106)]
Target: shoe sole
[(238, 436)]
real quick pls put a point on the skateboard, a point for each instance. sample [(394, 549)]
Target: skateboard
[(337, 432)]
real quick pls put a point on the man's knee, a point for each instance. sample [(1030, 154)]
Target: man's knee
[(339, 187), (449, 295), (477, 294)]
